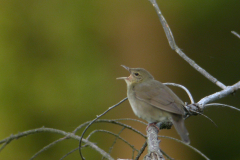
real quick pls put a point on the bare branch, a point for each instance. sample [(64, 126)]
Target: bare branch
[(173, 45), (154, 151), (198, 107), (164, 23), (218, 95), (200, 69)]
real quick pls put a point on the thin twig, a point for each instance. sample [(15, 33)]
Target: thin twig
[(9, 139), (47, 147), (235, 33), (107, 121), (38, 130), (141, 151), (115, 121), (184, 88), (114, 142), (70, 152), (130, 119), (80, 141), (223, 105), (204, 116), (116, 135), (177, 140), (166, 155)]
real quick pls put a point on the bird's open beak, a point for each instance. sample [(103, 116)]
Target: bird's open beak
[(122, 78), (127, 68)]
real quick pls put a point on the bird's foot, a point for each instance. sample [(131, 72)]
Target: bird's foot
[(155, 124)]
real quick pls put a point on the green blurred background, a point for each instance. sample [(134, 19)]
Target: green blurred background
[(60, 59)]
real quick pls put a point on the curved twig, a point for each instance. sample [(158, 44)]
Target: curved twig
[(204, 116), (223, 105), (80, 141), (184, 88), (196, 150), (235, 33), (116, 135), (107, 121), (115, 121)]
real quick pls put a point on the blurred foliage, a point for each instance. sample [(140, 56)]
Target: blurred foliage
[(59, 60)]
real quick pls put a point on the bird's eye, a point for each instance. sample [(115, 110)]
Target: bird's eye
[(136, 74)]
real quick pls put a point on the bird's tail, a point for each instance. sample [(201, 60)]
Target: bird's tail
[(178, 123)]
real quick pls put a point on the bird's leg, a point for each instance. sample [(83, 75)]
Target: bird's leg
[(155, 124)]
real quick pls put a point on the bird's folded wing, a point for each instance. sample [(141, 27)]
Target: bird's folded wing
[(158, 96)]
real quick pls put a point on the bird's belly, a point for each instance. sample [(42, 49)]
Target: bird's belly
[(148, 112)]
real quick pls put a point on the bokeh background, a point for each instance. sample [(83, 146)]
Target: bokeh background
[(59, 62)]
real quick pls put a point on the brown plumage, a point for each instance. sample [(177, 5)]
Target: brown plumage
[(153, 101)]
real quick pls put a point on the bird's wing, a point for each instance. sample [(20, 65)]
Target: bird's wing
[(159, 96)]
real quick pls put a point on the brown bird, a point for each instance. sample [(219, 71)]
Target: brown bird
[(153, 101)]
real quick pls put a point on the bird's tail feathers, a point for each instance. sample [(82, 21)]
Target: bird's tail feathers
[(178, 123)]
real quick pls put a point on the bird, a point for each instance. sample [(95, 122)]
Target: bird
[(154, 102)]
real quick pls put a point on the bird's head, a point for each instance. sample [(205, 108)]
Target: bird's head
[(137, 75)]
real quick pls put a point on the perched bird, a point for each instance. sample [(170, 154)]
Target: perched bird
[(153, 101)]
